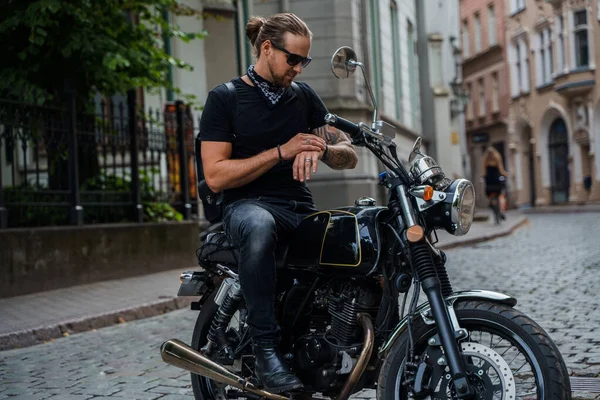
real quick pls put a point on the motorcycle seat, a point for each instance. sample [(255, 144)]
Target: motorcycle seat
[(217, 249)]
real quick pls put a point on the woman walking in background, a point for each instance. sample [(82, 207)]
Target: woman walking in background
[(495, 178)]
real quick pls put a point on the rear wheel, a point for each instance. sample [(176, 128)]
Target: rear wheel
[(507, 356), (207, 389)]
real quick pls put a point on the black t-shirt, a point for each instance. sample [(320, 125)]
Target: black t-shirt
[(260, 126)]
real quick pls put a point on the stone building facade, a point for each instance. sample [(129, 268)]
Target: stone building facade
[(486, 79), (554, 112)]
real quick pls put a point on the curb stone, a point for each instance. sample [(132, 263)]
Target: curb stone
[(43, 334)]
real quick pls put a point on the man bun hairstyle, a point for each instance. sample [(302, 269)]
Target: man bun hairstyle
[(259, 29)]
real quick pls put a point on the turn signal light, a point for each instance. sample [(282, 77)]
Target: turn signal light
[(415, 233), (427, 193)]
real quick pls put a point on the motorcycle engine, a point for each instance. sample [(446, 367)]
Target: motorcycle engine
[(325, 356)]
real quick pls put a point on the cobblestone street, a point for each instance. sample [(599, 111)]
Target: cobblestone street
[(552, 265)]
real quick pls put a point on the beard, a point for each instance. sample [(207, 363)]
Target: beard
[(281, 79)]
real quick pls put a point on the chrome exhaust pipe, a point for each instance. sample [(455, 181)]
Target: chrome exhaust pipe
[(180, 355), (365, 322)]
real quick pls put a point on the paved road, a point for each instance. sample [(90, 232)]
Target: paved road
[(552, 265)]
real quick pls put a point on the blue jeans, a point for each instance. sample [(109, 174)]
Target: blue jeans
[(255, 227)]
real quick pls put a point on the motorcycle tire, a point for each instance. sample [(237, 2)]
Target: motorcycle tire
[(517, 333), (204, 388)]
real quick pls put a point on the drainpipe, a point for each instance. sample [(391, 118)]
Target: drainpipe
[(245, 17), (238, 44), (167, 46)]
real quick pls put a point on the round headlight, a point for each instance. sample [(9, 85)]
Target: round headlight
[(462, 207), (455, 213)]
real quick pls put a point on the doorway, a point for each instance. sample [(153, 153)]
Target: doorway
[(559, 161)]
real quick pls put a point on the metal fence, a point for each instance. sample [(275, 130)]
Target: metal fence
[(115, 163)]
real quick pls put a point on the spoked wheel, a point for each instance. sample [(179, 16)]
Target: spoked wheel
[(237, 334), (507, 356)]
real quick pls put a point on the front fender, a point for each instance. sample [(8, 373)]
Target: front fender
[(466, 295)]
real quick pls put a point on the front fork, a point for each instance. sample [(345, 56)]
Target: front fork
[(426, 269), (447, 333)]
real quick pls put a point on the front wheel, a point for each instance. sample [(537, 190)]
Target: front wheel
[(507, 356)]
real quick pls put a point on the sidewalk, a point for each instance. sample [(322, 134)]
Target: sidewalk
[(36, 318), (482, 231)]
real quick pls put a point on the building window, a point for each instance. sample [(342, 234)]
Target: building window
[(560, 40), (412, 68), (470, 103), (491, 25), (580, 31), (543, 78), (481, 107), (519, 67), (465, 40), (495, 93), (477, 34), (549, 53), (437, 64), (525, 66), (376, 46), (397, 64), (545, 57), (516, 6)]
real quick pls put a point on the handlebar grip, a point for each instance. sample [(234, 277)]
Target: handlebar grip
[(344, 125)]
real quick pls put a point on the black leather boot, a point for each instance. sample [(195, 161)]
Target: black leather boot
[(275, 376)]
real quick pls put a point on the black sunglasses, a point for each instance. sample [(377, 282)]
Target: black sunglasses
[(293, 59)]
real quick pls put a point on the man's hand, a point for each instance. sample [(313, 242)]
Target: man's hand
[(340, 153), (302, 142), (304, 163)]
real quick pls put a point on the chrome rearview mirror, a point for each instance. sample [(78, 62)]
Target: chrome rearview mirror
[(343, 62), (416, 150)]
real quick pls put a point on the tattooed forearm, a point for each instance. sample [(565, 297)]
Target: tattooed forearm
[(340, 152)]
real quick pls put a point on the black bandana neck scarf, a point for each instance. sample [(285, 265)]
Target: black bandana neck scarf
[(269, 91)]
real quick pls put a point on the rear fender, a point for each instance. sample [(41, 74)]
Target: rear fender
[(453, 298), (193, 283), (197, 283)]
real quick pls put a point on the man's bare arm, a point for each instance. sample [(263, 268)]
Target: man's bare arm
[(221, 172), (340, 152)]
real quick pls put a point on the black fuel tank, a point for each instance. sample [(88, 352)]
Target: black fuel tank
[(345, 240)]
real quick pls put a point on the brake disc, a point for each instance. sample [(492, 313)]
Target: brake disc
[(489, 374)]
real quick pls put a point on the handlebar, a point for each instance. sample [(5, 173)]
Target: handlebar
[(344, 125), (361, 135)]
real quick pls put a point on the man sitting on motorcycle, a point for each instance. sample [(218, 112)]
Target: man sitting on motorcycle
[(256, 156)]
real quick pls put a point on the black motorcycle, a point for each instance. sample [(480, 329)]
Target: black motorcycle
[(340, 285)]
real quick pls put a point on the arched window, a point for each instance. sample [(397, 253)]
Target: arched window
[(558, 133)]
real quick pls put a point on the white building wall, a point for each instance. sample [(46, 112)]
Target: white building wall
[(441, 23)]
